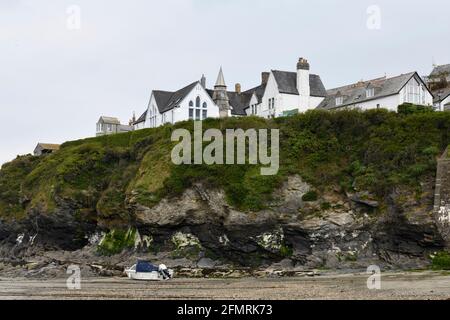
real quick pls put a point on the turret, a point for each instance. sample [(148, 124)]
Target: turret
[(220, 95)]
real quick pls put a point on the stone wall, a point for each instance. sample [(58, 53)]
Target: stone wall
[(442, 195)]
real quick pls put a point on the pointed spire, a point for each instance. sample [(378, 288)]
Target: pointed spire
[(220, 79)]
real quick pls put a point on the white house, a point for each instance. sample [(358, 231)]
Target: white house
[(111, 125), (283, 93), (279, 93), (383, 92), (193, 102), (442, 99)]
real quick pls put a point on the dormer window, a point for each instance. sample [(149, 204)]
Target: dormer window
[(339, 100), (370, 92)]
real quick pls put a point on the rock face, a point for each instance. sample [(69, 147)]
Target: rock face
[(200, 230)]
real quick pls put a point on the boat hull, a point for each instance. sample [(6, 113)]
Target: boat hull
[(145, 276)]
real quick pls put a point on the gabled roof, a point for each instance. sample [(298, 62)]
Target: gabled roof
[(141, 118), (441, 95), (259, 91), (287, 83), (167, 100), (241, 101), (109, 120), (439, 70), (356, 93), (48, 146)]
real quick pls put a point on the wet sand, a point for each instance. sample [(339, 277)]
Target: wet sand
[(414, 285)]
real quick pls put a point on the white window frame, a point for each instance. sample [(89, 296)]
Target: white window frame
[(370, 92)]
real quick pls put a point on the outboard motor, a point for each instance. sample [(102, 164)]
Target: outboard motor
[(164, 271)]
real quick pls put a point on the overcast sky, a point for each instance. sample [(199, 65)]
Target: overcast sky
[(57, 79)]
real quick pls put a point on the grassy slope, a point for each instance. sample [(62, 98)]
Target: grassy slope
[(374, 150)]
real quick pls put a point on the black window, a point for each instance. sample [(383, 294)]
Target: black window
[(197, 102), (205, 114), (197, 114), (191, 113)]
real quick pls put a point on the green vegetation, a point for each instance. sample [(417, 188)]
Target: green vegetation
[(12, 200), (408, 108), (116, 241), (103, 177), (441, 261), (286, 251), (310, 196)]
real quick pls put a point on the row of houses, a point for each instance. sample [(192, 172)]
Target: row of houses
[(282, 93)]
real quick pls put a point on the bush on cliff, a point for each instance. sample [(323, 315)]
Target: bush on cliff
[(106, 177)]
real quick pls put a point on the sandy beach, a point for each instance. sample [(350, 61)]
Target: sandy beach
[(394, 286)]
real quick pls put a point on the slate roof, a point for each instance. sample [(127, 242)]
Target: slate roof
[(356, 93), (167, 100), (141, 118), (441, 94), (241, 101), (125, 128), (287, 83), (438, 70), (109, 120)]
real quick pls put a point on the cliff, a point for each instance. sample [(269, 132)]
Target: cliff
[(353, 189)]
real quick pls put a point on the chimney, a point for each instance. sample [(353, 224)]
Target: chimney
[(132, 120), (303, 86), (203, 81), (238, 88), (265, 77)]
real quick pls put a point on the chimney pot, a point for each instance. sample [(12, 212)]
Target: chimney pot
[(302, 64), (238, 88)]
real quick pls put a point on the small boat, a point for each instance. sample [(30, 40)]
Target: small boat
[(144, 270)]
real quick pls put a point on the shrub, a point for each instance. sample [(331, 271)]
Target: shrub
[(441, 261), (310, 196), (325, 206), (408, 108), (374, 151), (116, 241)]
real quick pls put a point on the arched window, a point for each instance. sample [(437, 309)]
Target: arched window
[(197, 102), (191, 110), (205, 105)]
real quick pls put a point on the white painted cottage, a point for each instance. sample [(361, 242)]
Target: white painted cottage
[(193, 102), (110, 125), (279, 93), (383, 92), (284, 93)]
